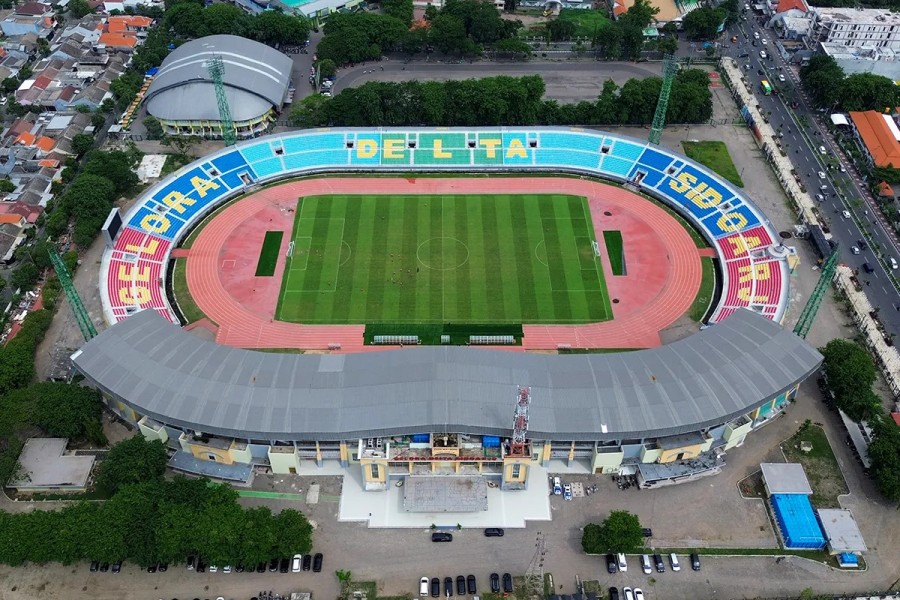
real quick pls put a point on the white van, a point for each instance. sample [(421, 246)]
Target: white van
[(557, 487)]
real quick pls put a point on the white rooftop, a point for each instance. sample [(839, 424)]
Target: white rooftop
[(857, 15), (785, 478), (45, 466), (841, 530)]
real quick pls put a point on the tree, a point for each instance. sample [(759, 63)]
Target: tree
[(132, 461), (115, 165), (851, 373), (154, 127), (399, 9), (276, 28), (668, 45), (703, 23), (81, 143), (312, 111), (327, 68), (822, 78), (7, 186), (67, 410), (620, 532), (884, 452), (79, 8), (221, 18), (25, 276), (10, 84), (561, 29), (866, 91), (293, 533)]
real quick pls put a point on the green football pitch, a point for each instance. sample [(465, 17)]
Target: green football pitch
[(443, 259)]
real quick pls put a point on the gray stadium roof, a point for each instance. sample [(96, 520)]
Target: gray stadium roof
[(256, 78), (176, 377)]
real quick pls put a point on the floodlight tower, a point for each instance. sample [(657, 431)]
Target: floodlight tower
[(670, 68), (518, 446), (81, 314), (815, 299), (216, 71)]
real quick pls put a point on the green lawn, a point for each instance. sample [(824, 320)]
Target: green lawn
[(820, 464), (186, 304), (443, 259), (616, 251), (707, 287), (268, 254), (715, 156), (588, 22)]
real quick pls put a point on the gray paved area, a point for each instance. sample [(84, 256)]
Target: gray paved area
[(445, 494), (44, 465)]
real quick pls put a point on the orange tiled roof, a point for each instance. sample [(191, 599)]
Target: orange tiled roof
[(25, 138), (53, 164), (884, 189), (10, 218), (878, 138), (896, 417), (785, 5), (118, 40), (122, 24), (46, 144)]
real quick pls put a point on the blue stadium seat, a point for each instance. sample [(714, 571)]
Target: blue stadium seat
[(229, 162), (258, 152)]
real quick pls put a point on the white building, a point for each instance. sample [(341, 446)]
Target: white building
[(878, 61), (857, 27)]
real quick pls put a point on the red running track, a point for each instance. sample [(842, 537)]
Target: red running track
[(662, 262)]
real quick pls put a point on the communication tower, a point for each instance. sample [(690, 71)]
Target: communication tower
[(216, 71), (518, 446)]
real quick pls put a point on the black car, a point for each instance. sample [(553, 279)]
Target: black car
[(317, 563), (191, 562), (862, 244), (285, 565), (95, 566), (613, 593), (660, 565), (647, 532), (104, 567), (460, 585), (495, 583), (611, 565), (261, 567), (163, 567), (239, 568), (273, 565), (117, 566), (439, 536), (201, 566), (493, 532), (251, 568), (307, 562), (448, 586), (151, 568), (435, 587), (507, 583), (868, 268), (471, 585), (695, 561)]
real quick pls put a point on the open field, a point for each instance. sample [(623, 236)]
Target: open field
[(443, 259), (715, 156), (820, 464)]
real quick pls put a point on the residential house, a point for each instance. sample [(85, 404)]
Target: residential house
[(30, 17), (878, 136), (124, 33), (12, 235), (123, 5)]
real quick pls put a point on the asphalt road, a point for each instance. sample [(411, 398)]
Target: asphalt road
[(803, 151)]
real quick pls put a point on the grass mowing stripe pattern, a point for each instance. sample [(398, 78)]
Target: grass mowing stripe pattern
[(443, 259)]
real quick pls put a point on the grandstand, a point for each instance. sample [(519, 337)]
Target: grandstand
[(256, 79), (693, 399)]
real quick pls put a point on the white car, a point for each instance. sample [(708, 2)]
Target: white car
[(423, 587), (557, 487), (843, 169), (781, 77), (821, 174), (755, 35), (638, 594), (567, 492), (226, 569), (623, 564), (845, 214), (645, 564), (893, 262), (822, 150), (854, 250), (762, 54), (820, 198), (764, 41), (676, 566), (629, 595), (297, 563), (213, 568)]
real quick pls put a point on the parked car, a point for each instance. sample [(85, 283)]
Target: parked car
[(660, 565), (629, 595), (163, 567), (495, 583), (435, 587), (862, 244), (95, 566), (695, 561), (307, 562), (567, 492), (261, 567), (781, 77), (507, 583), (638, 594), (151, 568), (317, 562), (623, 565), (201, 566), (460, 585), (191, 562), (763, 55), (284, 565), (471, 584), (239, 568), (493, 532), (893, 262), (820, 198), (117, 567), (423, 586), (613, 593), (647, 532), (611, 565), (448, 586), (440, 536), (673, 560), (822, 150), (297, 563), (645, 564), (557, 487), (104, 567), (215, 568), (273, 565)]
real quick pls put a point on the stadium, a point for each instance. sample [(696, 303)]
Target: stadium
[(667, 413)]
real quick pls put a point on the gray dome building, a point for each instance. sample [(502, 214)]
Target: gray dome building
[(256, 77)]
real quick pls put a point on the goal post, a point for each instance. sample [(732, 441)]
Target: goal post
[(290, 249), (595, 245)]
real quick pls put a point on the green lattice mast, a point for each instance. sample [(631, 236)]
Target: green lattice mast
[(670, 67), (815, 300), (65, 279), (216, 71)]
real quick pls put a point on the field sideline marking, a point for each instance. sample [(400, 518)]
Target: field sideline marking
[(547, 266), (605, 296), (337, 270)]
